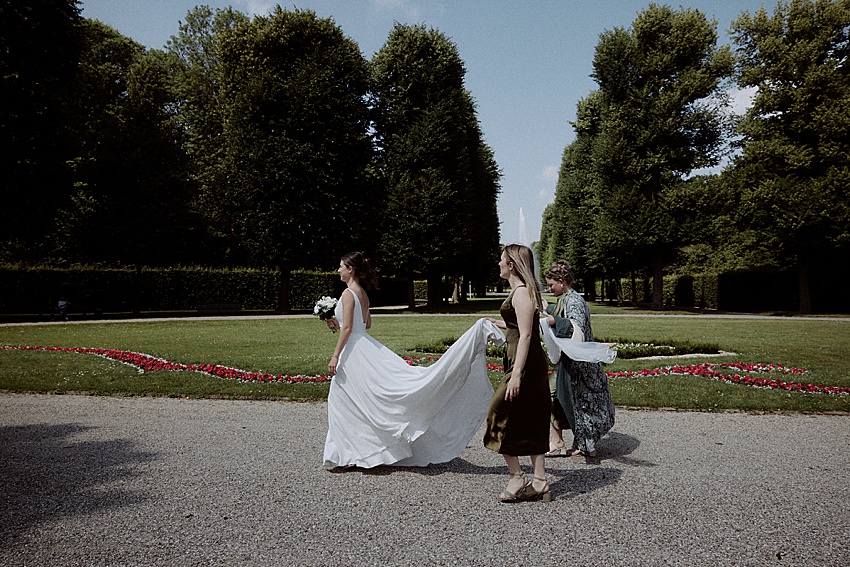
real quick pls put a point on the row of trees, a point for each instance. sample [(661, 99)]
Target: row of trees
[(267, 142), (626, 200)]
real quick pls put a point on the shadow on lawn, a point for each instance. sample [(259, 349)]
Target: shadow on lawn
[(48, 475)]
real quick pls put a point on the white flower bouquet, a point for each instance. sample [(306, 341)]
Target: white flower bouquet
[(324, 309)]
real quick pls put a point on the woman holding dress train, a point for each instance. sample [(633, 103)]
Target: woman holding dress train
[(581, 391), (518, 418)]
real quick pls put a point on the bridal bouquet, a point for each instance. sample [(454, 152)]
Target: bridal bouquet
[(324, 308)]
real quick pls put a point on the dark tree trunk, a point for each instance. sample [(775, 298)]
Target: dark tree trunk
[(435, 288), (137, 290), (657, 281), (805, 290), (634, 290)]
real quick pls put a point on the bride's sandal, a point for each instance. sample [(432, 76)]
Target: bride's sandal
[(531, 494), (507, 496)]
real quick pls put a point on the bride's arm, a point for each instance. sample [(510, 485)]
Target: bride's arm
[(344, 330)]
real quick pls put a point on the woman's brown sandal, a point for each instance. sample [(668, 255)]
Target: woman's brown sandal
[(531, 494), (509, 497)]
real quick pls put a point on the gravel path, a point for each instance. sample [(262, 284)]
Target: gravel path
[(151, 481)]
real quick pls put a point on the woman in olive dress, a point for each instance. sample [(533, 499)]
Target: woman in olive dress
[(518, 418)]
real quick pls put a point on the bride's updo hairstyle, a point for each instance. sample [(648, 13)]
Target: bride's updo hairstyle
[(363, 269), (560, 271), (523, 260)]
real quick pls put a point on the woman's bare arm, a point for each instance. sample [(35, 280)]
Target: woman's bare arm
[(344, 330)]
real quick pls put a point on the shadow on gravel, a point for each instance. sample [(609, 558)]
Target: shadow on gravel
[(46, 475), (569, 483), (456, 465), (618, 447), (574, 482), (614, 447)]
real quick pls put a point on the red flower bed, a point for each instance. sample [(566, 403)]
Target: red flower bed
[(744, 373), (148, 363)]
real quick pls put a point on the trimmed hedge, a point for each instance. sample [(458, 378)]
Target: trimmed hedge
[(36, 290)]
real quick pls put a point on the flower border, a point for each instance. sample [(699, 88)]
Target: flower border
[(147, 363), (744, 374), (710, 371)]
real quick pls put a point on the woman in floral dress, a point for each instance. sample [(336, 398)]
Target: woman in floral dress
[(582, 387)]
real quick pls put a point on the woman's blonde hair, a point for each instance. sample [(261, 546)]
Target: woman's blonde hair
[(523, 260)]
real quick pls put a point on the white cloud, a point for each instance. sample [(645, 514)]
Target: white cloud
[(409, 9), (258, 7), (546, 195), (550, 173)]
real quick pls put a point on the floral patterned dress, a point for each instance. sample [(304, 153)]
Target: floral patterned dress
[(591, 404)]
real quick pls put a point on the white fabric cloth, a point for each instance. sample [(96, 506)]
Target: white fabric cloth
[(383, 411), (574, 348)]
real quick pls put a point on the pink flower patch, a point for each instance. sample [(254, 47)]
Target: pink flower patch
[(743, 373)]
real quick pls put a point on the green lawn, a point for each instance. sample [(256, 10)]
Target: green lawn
[(303, 346)]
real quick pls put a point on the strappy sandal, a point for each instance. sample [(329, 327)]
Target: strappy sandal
[(509, 497), (531, 494), (557, 452)]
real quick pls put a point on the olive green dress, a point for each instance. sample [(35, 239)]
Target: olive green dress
[(521, 426)]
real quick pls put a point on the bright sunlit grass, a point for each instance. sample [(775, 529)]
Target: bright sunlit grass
[(303, 346)]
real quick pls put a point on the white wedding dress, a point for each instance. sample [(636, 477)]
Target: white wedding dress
[(382, 411)]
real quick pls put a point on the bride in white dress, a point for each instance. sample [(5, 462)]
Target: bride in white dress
[(381, 410)]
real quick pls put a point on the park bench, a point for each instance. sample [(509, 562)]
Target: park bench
[(208, 308)]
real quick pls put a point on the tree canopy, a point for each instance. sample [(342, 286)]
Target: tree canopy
[(661, 118), (40, 46), (656, 117), (793, 174), (442, 180)]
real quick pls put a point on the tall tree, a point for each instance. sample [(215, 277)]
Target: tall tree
[(570, 222), (296, 145), (39, 54), (441, 177), (201, 114), (660, 83), (132, 188), (795, 164), (482, 224)]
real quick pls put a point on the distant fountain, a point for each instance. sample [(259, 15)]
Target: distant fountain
[(524, 237)]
